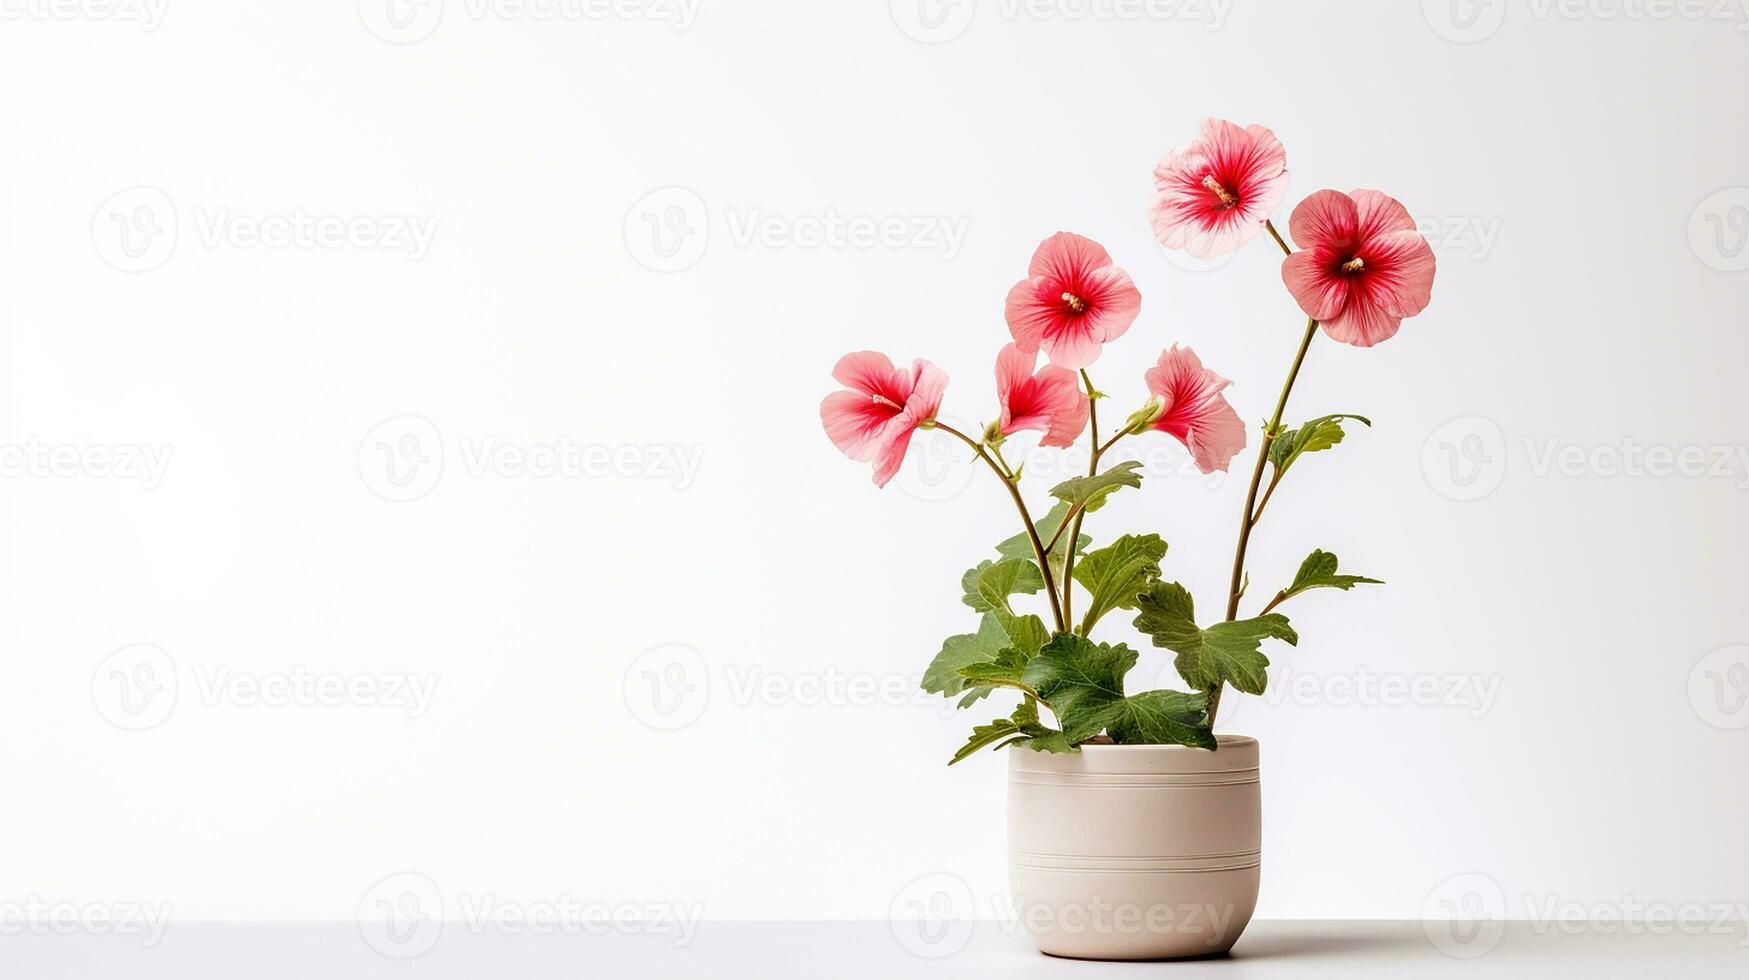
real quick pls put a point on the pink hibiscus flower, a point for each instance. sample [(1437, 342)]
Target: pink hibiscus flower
[(1073, 301), (1362, 267), (873, 421), (1214, 195), (1193, 410), (1050, 401)]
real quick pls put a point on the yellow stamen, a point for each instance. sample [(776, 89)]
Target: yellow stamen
[(1354, 265), (1076, 303)]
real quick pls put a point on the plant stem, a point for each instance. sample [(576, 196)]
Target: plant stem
[(1248, 520), (1277, 236), (1038, 548), (1092, 470)]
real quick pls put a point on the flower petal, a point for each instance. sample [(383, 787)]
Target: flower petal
[(1362, 324), (890, 451), (1320, 293), (854, 422), (1113, 303), (1379, 214), (1216, 438), (1067, 256), (871, 373), (929, 383), (1400, 272), (1027, 317), (1061, 390), (1326, 218), (1073, 346)]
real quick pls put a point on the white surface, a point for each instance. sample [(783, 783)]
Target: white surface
[(1269, 950), (1561, 158)]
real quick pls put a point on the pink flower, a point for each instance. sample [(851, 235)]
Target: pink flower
[(1050, 401), (1073, 301), (874, 420), (1214, 195), (1193, 410), (1362, 266)]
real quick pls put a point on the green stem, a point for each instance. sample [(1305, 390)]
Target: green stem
[(1248, 520), (1092, 470), (1270, 226), (1038, 548)]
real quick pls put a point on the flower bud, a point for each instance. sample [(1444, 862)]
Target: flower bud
[(1146, 415)]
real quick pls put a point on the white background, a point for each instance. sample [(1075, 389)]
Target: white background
[(1561, 158)]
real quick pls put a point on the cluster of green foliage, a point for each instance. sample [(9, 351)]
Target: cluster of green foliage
[(1081, 681)]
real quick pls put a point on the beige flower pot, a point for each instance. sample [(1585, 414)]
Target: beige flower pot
[(1130, 852)]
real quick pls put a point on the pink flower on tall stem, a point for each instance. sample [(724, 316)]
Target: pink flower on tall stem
[(1072, 301), (1050, 401), (1193, 410), (874, 420), (1362, 266), (1214, 195)]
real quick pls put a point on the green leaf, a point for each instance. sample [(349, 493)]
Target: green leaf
[(988, 586), (1089, 492), (1117, 573), (1318, 571), (1021, 634), (1039, 736), (1315, 436), (1023, 726), (1027, 634), (1020, 546), (1004, 671), (983, 735), (1082, 681), (943, 677), (1163, 718), (1224, 653)]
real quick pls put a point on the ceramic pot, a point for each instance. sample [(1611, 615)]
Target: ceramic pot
[(1130, 852)]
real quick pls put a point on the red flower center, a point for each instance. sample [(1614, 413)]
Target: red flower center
[(1228, 201)]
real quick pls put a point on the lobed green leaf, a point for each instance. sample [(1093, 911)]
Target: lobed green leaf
[(1225, 653)]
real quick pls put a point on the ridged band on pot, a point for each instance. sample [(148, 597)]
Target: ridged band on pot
[(1135, 851)]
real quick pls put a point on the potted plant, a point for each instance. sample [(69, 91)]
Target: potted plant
[(1134, 829)]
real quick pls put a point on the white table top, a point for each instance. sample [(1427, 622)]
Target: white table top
[(815, 950)]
